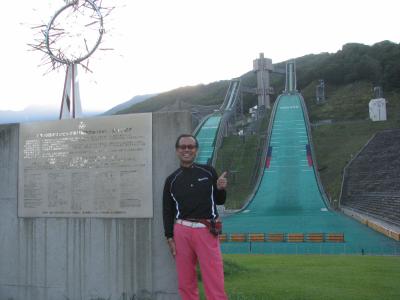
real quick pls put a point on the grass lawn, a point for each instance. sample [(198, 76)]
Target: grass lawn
[(337, 143), (308, 277), (240, 157)]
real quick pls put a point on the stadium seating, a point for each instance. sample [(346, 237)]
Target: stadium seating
[(238, 237), (372, 179), (315, 237), (257, 237), (335, 238), (295, 238), (276, 237)]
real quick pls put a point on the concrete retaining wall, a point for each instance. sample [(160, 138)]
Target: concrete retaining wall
[(390, 230), (87, 258)]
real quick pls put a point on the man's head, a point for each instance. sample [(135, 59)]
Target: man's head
[(186, 147)]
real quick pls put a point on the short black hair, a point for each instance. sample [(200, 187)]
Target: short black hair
[(183, 136)]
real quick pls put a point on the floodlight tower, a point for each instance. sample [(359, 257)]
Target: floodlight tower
[(263, 67), (378, 92), (320, 91)]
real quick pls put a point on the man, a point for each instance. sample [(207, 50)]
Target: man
[(191, 194)]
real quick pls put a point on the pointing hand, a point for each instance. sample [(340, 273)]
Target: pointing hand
[(222, 181)]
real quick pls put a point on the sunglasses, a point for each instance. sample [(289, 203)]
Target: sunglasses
[(184, 147)]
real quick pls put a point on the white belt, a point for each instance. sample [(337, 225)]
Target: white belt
[(190, 224)]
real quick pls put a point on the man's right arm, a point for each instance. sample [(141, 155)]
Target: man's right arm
[(169, 217), (168, 210)]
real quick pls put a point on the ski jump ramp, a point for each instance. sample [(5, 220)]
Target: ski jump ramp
[(289, 213)]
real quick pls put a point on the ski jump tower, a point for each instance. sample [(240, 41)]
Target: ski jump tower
[(291, 85), (263, 67)]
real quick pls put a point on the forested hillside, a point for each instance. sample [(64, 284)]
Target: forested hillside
[(374, 65), (378, 64), (210, 94)]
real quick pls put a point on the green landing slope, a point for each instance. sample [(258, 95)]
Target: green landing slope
[(206, 137), (288, 199), (207, 132)]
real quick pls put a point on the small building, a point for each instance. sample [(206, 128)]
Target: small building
[(377, 109)]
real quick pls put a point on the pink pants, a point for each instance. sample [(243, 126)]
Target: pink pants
[(198, 244)]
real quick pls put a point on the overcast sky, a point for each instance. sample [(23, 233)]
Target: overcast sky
[(165, 44)]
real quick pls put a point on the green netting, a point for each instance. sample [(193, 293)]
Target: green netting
[(206, 138), (288, 199)]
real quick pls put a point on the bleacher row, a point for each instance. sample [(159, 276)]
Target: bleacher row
[(316, 237), (386, 205), (372, 180)]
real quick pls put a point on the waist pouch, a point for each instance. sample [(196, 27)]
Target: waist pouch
[(214, 226)]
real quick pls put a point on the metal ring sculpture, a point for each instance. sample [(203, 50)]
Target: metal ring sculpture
[(68, 44)]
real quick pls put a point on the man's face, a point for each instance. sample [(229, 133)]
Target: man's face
[(186, 151)]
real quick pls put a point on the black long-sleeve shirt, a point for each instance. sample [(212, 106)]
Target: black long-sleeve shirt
[(191, 193)]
